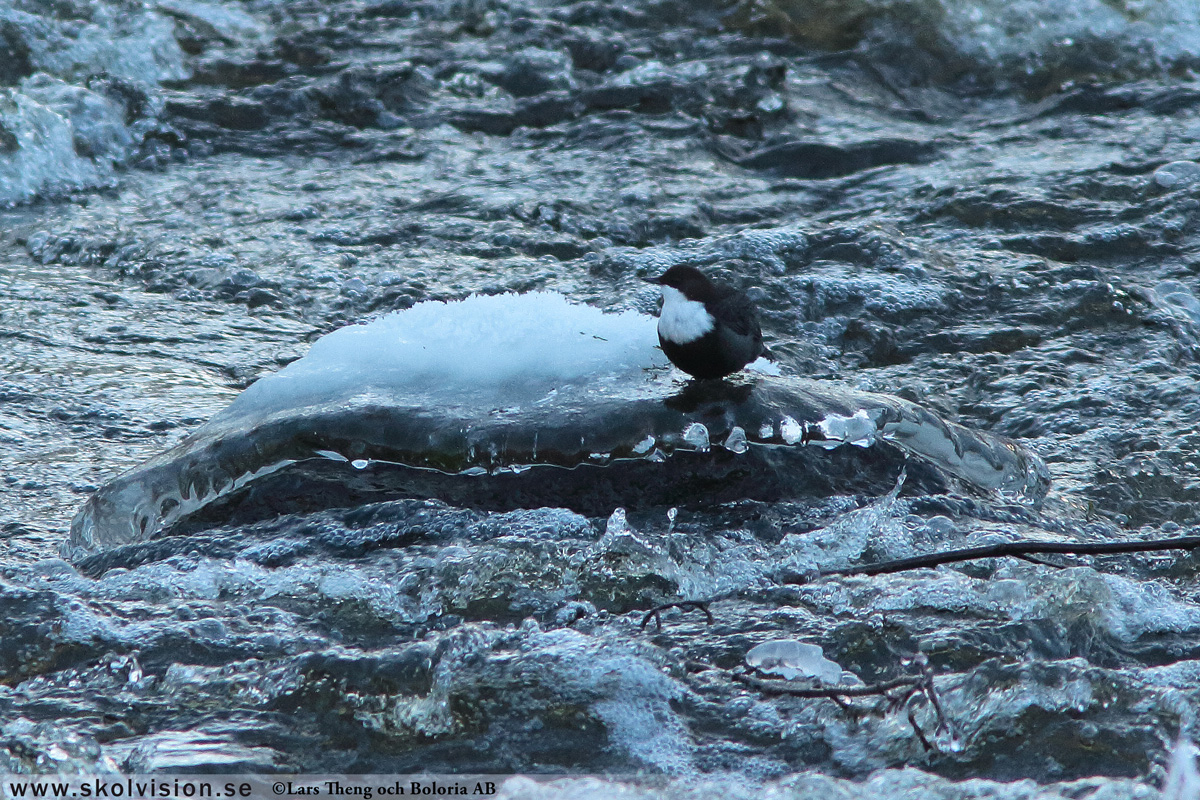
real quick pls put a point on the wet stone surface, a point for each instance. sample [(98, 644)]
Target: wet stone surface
[(999, 227)]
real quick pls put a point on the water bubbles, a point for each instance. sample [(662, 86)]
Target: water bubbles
[(770, 104), (360, 463), (672, 513), (1177, 299), (573, 612), (453, 554), (617, 523), (1177, 174)]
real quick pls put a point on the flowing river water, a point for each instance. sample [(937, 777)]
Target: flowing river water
[(985, 213)]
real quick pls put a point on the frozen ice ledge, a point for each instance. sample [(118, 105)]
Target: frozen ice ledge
[(516, 384)]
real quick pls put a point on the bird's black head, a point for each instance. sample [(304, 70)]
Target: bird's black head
[(688, 280)]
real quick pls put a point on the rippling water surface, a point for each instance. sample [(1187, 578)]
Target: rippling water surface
[(983, 210)]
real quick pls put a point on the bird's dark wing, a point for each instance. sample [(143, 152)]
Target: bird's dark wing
[(739, 314)]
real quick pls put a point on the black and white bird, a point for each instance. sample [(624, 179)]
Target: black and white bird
[(708, 330)]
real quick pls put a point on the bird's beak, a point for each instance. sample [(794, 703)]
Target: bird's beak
[(655, 281)]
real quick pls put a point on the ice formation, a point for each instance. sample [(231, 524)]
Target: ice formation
[(500, 384), (506, 349), (791, 659)]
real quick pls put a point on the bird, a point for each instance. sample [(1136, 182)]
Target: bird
[(707, 329)]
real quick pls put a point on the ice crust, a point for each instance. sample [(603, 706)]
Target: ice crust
[(508, 382), (792, 659), (505, 348)]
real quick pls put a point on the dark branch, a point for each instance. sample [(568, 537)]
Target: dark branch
[(1019, 550), (922, 663), (900, 694), (921, 737), (685, 605)]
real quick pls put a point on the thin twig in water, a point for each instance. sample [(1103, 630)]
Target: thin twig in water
[(910, 689), (1016, 549), (683, 605), (912, 720), (943, 721)]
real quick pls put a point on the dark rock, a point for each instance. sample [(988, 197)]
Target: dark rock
[(592, 51), (817, 160), (8, 140), (226, 112), (237, 75), (496, 123), (31, 627), (350, 99), (303, 54), (650, 98), (548, 109), (261, 297), (561, 248), (14, 55), (533, 72)]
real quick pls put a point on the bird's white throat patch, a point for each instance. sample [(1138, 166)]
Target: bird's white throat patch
[(682, 320)]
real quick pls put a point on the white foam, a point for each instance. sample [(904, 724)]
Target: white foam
[(1183, 779), (62, 135), (1032, 32), (1021, 37), (134, 44)]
